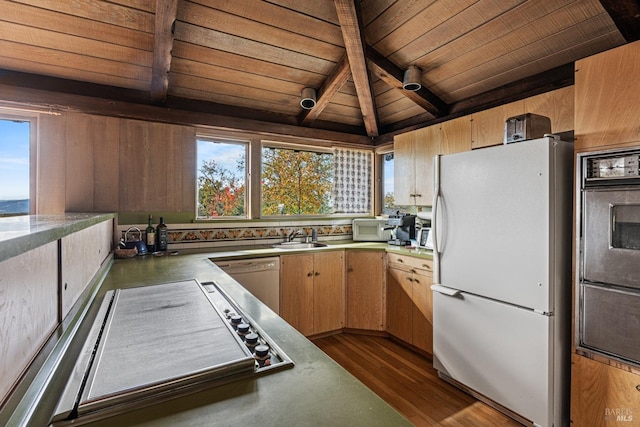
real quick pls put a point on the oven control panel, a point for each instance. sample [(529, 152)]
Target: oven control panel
[(614, 166)]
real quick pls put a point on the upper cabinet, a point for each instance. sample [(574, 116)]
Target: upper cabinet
[(606, 88), (414, 153), (488, 125)]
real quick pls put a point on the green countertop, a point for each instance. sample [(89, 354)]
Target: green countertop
[(316, 391)]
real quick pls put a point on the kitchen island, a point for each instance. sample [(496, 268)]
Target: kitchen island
[(316, 391)]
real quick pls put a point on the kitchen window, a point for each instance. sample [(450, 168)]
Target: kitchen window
[(296, 181), (15, 137), (222, 178), (387, 183)]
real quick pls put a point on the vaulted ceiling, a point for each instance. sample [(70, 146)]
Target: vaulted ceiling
[(244, 63)]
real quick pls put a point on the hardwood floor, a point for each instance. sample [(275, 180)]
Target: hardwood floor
[(408, 382)]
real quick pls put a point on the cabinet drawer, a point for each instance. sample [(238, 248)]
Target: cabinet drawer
[(421, 265)]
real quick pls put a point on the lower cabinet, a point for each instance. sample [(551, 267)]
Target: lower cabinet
[(410, 301), (366, 290), (312, 291), (603, 395)]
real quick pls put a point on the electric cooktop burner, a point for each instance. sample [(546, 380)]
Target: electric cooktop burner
[(153, 343)]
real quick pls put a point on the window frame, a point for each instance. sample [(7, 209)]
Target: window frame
[(247, 175), (17, 114), (299, 147)]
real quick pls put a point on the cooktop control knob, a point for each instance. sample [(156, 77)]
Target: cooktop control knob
[(252, 341), (236, 320), (262, 355), (243, 329)]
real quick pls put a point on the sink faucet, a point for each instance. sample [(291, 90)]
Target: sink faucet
[(293, 234)]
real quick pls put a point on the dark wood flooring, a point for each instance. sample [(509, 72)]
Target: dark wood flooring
[(408, 382)]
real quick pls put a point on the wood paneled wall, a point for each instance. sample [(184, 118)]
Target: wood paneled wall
[(104, 164)]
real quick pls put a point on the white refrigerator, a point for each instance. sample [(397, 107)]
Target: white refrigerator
[(502, 281)]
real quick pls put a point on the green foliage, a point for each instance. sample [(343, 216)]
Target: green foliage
[(296, 182), (220, 192)]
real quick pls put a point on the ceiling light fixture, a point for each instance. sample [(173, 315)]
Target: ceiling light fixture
[(308, 100), (412, 78)]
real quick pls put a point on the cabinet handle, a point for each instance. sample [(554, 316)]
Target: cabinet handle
[(638, 387), (400, 260), (426, 266), (349, 270), (309, 274), (316, 274), (413, 271)]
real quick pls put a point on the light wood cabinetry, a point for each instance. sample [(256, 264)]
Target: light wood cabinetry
[(413, 157), (603, 395), (558, 105), (487, 127), (365, 290), (312, 291), (410, 301), (607, 111)]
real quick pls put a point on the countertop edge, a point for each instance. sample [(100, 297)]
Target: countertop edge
[(61, 225)]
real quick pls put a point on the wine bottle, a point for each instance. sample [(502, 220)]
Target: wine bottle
[(151, 235), (161, 236)]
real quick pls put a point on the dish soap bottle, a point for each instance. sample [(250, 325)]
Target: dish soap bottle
[(151, 235), (161, 236)]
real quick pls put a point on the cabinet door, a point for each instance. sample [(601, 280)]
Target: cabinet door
[(427, 146), (558, 105), (296, 291), (602, 395), (422, 312), (328, 291), (399, 303), (487, 127), (365, 290), (404, 178), (455, 135), (606, 89)]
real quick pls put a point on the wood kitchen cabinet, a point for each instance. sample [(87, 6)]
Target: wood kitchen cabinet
[(606, 98), (312, 291), (487, 128), (366, 290), (603, 395), (413, 156), (410, 300), (413, 166)]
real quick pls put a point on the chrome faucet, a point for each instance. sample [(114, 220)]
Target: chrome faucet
[(293, 234)]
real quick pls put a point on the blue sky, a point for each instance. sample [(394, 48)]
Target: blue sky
[(225, 155), (14, 160)]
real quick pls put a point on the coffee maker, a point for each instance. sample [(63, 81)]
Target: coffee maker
[(404, 228)]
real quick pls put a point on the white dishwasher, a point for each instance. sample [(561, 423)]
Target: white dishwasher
[(260, 276)]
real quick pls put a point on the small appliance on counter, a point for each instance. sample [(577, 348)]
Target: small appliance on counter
[(370, 230), (403, 228)]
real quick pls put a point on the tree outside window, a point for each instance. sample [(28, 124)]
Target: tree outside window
[(222, 179), (296, 182)]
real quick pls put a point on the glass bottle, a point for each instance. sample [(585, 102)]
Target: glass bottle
[(161, 236), (151, 235)]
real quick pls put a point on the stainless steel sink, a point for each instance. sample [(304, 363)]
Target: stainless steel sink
[(299, 245)]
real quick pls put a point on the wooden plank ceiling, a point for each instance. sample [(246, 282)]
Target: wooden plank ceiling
[(250, 59)]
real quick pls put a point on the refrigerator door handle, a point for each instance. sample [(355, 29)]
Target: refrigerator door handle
[(444, 290), (434, 217)]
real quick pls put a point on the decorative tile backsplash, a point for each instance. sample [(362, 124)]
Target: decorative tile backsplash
[(242, 234)]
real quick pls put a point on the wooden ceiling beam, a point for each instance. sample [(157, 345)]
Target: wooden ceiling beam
[(338, 77), (351, 25), (394, 76), (166, 12), (626, 15)]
